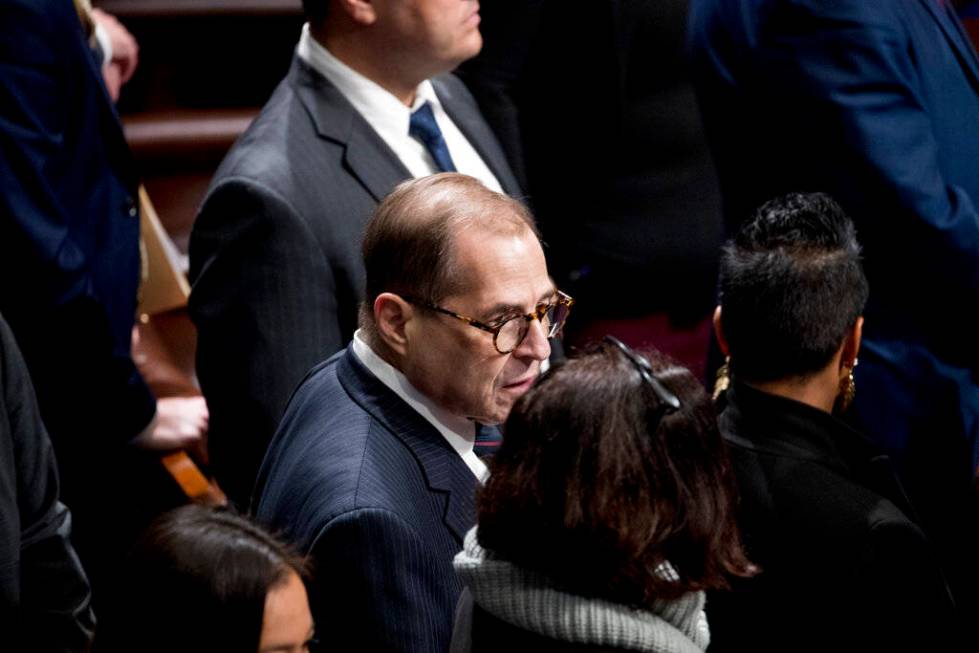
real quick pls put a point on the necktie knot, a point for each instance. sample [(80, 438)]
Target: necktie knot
[(423, 127), (488, 439)]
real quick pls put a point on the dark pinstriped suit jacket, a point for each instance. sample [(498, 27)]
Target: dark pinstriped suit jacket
[(380, 500), (275, 253)]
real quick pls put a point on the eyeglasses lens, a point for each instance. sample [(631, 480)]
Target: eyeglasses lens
[(554, 319), (511, 333)]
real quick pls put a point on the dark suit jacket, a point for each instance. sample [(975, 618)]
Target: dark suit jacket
[(44, 596), (594, 105), (378, 498), (69, 228), (275, 253), (844, 566)]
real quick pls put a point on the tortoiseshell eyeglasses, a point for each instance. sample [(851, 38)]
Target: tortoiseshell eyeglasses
[(510, 331)]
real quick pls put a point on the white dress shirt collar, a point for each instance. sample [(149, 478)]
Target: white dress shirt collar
[(459, 432), (391, 119)]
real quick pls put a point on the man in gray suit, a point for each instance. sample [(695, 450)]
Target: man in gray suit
[(275, 252)]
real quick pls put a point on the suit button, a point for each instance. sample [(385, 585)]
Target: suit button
[(131, 207)]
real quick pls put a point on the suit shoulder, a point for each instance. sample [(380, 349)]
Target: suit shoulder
[(311, 469), (282, 148), (262, 151), (329, 444)]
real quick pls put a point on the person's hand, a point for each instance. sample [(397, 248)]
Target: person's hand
[(180, 423), (125, 53)]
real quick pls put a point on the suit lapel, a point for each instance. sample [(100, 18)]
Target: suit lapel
[(478, 133), (444, 469), (956, 35), (365, 154)]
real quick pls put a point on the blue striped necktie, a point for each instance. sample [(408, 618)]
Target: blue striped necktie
[(423, 127), (488, 439)]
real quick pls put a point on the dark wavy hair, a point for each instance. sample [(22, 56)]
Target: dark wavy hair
[(592, 489), (791, 287), (196, 581)]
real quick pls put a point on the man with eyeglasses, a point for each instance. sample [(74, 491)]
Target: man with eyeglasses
[(373, 470)]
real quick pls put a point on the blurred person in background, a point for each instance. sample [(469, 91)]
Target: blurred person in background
[(594, 105), (69, 264)]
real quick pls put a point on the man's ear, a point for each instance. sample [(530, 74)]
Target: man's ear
[(851, 345), (360, 11), (719, 332), (391, 316)]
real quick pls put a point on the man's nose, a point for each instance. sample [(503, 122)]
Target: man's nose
[(535, 344)]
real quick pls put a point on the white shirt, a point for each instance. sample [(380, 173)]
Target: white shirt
[(390, 118), (459, 432)]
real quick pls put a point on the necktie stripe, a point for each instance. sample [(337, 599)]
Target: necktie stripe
[(488, 440)]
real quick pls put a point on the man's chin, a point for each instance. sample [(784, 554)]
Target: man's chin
[(469, 48)]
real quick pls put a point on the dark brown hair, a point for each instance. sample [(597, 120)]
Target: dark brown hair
[(197, 580), (408, 244), (588, 489)]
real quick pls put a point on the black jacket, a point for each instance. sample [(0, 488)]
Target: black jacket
[(844, 565)]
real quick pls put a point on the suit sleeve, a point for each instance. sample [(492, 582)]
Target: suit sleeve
[(61, 314), (850, 62), (54, 611), (378, 587), (265, 304)]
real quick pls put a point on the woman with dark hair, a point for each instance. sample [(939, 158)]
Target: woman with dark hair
[(204, 579), (844, 565), (606, 515)]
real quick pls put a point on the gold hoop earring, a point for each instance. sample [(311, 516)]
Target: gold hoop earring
[(723, 380), (848, 387)]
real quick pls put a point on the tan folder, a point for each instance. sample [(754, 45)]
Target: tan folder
[(164, 286)]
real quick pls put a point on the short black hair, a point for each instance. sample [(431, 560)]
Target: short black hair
[(791, 287)]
